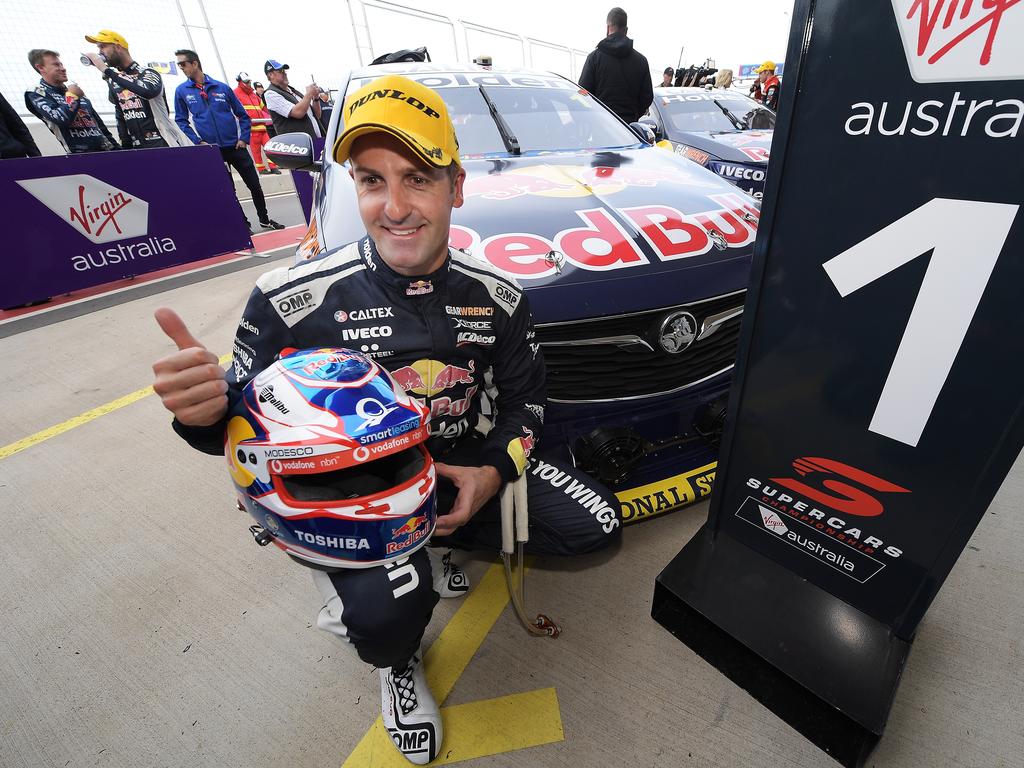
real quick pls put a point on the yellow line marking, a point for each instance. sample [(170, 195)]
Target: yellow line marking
[(83, 418), (459, 641), (481, 728)]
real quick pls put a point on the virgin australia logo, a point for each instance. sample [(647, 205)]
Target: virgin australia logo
[(957, 40), (100, 212)]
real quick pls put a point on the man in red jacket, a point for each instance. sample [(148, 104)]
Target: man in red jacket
[(770, 85), (260, 121)]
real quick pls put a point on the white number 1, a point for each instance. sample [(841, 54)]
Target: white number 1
[(966, 237)]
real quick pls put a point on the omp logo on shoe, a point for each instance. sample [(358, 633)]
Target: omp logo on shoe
[(959, 40), (412, 741), (100, 212)]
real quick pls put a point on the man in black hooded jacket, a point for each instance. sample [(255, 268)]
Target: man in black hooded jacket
[(617, 74)]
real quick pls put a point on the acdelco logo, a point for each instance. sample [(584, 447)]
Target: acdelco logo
[(957, 40), (97, 210), (286, 149)]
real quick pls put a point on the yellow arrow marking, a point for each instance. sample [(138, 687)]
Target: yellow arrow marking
[(83, 418), (482, 727)]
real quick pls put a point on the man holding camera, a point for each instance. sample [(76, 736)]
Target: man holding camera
[(292, 111)]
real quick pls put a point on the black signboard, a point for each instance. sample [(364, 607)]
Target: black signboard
[(878, 402)]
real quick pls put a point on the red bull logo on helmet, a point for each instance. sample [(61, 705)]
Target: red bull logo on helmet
[(431, 377), (411, 526), (413, 530)]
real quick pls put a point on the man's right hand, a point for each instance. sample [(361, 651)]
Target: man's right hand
[(312, 91), (190, 382)]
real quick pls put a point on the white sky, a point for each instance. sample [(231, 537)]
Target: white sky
[(316, 38)]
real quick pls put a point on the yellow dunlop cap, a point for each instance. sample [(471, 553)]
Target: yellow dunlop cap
[(409, 111), (107, 36), (768, 66)]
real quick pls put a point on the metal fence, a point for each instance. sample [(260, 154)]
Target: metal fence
[(317, 40)]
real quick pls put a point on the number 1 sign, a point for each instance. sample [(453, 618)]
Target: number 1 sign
[(877, 403)]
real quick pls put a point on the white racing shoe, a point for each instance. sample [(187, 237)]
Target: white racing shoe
[(449, 579), (410, 713)]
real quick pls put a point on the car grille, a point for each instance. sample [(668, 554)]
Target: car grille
[(605, 358)]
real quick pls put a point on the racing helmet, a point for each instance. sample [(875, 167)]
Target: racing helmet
[(327, 454)]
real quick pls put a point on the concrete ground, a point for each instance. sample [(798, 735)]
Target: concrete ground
[(142, 627)]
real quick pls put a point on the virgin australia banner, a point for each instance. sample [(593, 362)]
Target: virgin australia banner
[(83, 220)]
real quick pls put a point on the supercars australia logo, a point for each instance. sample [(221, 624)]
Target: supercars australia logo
[(98, 211), (844, 532), (959, 40)]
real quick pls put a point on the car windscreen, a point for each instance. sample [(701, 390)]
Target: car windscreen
[(542, 119), (699, 112)]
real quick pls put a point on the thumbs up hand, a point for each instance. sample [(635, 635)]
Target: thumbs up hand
[(190, 383)]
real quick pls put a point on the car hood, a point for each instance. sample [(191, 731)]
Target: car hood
[(607, 232), (595, 233), (733, 146)]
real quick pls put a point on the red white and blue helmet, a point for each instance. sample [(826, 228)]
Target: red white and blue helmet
[(327, 453)]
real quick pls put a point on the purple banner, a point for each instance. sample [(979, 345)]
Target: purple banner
[(84, 220)]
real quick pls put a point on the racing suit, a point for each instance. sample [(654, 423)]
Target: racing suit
[(260, 118), (72, 121), (143, 121), (444, 337), (770, 89)]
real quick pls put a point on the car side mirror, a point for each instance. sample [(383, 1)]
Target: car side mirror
[(293, 151), (645, 131)]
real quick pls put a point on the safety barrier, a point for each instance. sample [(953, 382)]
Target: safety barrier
[(84, 220)]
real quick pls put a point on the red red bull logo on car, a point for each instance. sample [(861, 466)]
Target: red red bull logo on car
[(604, 243)]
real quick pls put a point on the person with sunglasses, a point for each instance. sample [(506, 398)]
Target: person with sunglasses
[(218, 118)]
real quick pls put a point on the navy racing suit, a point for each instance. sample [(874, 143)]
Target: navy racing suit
[(438, 335), (446, 337), (143, 120), (72, 121)]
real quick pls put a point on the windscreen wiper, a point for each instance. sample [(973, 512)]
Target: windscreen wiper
[(732, 118), (511, 142)]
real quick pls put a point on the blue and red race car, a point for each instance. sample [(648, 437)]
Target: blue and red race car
[(636, 263), (725, 131)]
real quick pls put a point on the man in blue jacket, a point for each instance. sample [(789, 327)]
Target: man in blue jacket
[(219, 119), (64, 108)]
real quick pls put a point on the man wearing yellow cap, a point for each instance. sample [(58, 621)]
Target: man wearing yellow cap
[(770, 85), (440, 321), (143, 120)]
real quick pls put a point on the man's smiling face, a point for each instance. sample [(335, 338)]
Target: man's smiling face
[(406, 206)]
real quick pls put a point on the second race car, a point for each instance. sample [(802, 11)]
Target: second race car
[(723, 130)]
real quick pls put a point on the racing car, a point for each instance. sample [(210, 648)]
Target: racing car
[(635, 260), (723, 130)]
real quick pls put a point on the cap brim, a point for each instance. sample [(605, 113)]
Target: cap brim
[(95, 40), (434, 157)]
